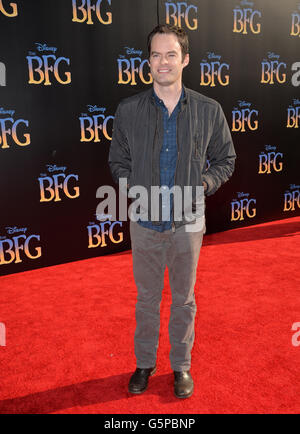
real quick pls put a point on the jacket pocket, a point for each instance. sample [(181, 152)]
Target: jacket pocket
[(196, 172), (197, 147)]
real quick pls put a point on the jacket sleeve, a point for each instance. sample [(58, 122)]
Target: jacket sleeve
[(119, 159), (220, 153)]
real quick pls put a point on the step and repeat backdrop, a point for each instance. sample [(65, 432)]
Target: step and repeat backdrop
[(64, 67)]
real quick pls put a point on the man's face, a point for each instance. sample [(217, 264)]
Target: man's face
[(166, 63)]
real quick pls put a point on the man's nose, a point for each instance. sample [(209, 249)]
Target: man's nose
[(163, 60)]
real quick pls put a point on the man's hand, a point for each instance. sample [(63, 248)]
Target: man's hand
[(205, 186)]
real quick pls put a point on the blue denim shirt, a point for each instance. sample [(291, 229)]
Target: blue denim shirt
[(168, 160)]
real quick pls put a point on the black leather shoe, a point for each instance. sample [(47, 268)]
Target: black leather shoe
[(139, 380), (183, 384)]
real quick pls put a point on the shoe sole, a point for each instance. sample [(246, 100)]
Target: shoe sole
[(184, 396), (142, 391)]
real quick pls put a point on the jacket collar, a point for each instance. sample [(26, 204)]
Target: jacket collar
[(183, 99)]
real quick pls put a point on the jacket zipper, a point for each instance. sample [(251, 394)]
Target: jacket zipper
[(178, 154), (173, 223), (156, 136)]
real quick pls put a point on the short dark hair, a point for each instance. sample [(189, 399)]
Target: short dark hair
[(177, 31)]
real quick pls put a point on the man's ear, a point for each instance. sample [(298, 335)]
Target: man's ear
[(186, 60)]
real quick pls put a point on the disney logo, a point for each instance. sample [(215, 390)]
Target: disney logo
[(44, 47), (212, 55), (246, 3), (13, 230), (273, 55), (270, 148), (94, 108), (244, 104), (296, 101), (133, 51), (294, 186), (241, 194), (103, 217), (4, 112), (53, 168)]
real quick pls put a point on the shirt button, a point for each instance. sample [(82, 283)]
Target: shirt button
[(167, 131), (167, 150)]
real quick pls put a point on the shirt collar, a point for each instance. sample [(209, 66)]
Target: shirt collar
[(160, 102)]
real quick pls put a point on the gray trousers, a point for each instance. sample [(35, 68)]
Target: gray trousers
[(152, 252)]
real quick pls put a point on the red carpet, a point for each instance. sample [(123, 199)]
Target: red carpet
[(69, 332)]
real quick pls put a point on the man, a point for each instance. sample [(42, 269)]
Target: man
[(163, 137)]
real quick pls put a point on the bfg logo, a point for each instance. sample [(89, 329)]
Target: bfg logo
[(246, 19), (82, 11), (295, 25), (9, 127), (52, 184), (178, 13), (93, 123), (213, 71), (40, 65), (242, 207), (271, 70), (292, 198), (99, 232), (131, 66), (244, 117), (293, 114), (270, 161), (11, 247), (14, 9)]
